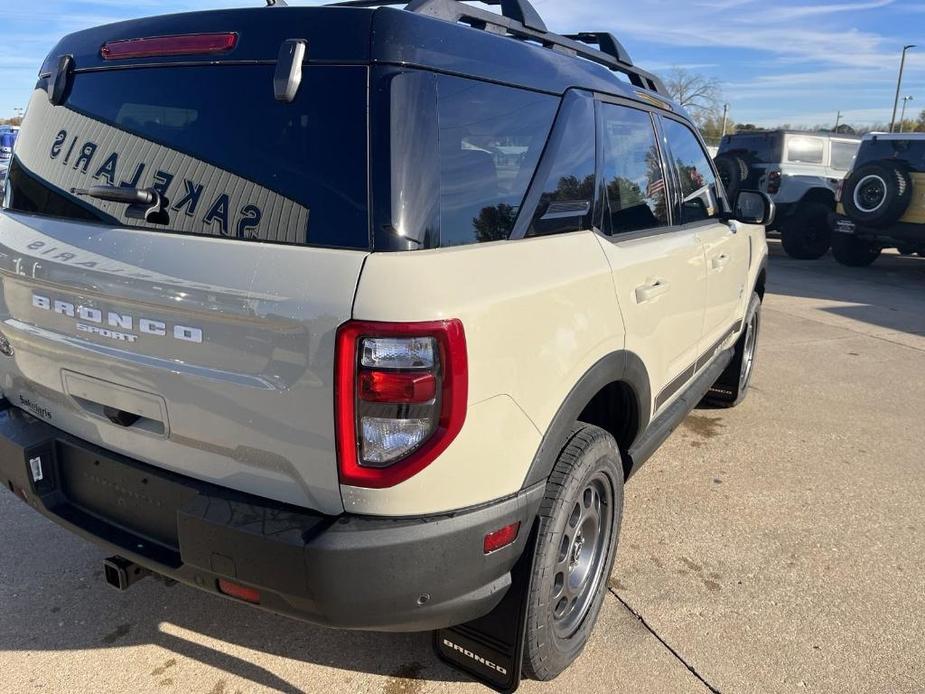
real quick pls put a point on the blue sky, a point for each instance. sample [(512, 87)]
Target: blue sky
[(784, 61)]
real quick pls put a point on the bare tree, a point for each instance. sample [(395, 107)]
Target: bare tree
[(700, 95)]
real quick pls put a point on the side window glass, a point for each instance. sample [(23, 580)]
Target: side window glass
[(568, 192), (805, 150), (843, 154), (699, 197), (634, 195), (490, 140)]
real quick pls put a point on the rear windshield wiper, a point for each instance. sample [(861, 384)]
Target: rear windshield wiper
[(143, 203)]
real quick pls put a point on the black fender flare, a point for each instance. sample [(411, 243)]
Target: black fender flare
[(622, 366)]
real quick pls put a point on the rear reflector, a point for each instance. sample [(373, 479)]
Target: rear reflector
[(235, 590), (184, 44), (502, 537)]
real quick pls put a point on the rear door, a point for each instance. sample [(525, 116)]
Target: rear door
[(726, 250), (658, 266), (199, 338)]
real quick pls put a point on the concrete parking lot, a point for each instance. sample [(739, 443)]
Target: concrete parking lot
[(776, 547)]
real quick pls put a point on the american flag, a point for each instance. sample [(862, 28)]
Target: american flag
[(655, 188)]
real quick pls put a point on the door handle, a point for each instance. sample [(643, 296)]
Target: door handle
[(650, 290), (718, 262)]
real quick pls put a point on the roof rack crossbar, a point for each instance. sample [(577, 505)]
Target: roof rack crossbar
[(611, 55), (606, 42)]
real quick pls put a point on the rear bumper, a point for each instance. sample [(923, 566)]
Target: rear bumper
[(345, 571), (900, 232)]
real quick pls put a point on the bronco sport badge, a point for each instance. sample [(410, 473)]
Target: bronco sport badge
[(114, 325)]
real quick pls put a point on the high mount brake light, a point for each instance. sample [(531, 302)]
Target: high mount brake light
[(400, 392), (181, 44)]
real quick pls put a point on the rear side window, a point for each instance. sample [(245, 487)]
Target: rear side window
[(453, 157), (805, 150), (568, 189), (633, 179), (490, 140), (761, 148), (226, 157), (843, 153), (699, 195)]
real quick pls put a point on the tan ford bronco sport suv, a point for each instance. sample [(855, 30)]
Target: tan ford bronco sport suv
[(364, 314)]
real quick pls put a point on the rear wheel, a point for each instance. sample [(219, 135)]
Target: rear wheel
[(806, 234), (854, 252), (732, 386), (579, 525)]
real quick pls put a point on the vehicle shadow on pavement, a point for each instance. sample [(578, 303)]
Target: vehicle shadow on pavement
[(868, 294), (51, 584)]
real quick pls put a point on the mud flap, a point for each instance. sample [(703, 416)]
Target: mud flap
[(490, 648)]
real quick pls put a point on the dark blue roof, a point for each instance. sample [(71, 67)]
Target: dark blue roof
[(360, 35)]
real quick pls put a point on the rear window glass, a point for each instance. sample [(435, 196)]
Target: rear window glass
[(843, 154), (805, 150), (226, 157), (761, 148)]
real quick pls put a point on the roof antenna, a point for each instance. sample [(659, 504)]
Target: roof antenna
[(277, 3)]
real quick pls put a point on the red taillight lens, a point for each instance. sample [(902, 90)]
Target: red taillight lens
[(184, 44), (236, 590), (502, 537), (385, 386), (774, 182), (400, 397)]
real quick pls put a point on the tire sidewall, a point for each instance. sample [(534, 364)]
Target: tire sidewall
[(806, 235), (734, 169), (601, 455), (849, 250), (753, 315), (897, 193)]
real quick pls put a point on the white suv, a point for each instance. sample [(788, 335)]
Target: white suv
[(461, 290)]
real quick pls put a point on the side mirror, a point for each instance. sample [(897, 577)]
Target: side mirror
[(752, 207)]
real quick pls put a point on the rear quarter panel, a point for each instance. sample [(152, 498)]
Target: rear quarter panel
[(537, 313)]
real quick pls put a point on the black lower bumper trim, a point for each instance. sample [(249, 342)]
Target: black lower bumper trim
[(897, 233), (347, 571)]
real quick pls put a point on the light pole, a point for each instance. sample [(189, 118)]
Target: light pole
[(725, 111), (902, 116), (837, 121), (899, 84)]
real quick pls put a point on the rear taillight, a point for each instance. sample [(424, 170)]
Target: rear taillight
[(774, 182), (182, 44), (400, 397)]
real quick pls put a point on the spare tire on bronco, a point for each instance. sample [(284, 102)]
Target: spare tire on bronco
[(733, 170), (877, 194)]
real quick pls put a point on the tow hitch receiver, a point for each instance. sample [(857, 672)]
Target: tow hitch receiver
[(121, 573)]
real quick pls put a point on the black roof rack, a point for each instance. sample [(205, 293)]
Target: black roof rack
[(520, 19), (607, 43)]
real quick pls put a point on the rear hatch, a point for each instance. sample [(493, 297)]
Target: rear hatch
[(198, 337)]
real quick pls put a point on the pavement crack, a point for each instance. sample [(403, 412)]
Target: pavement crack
[(678, 656)]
